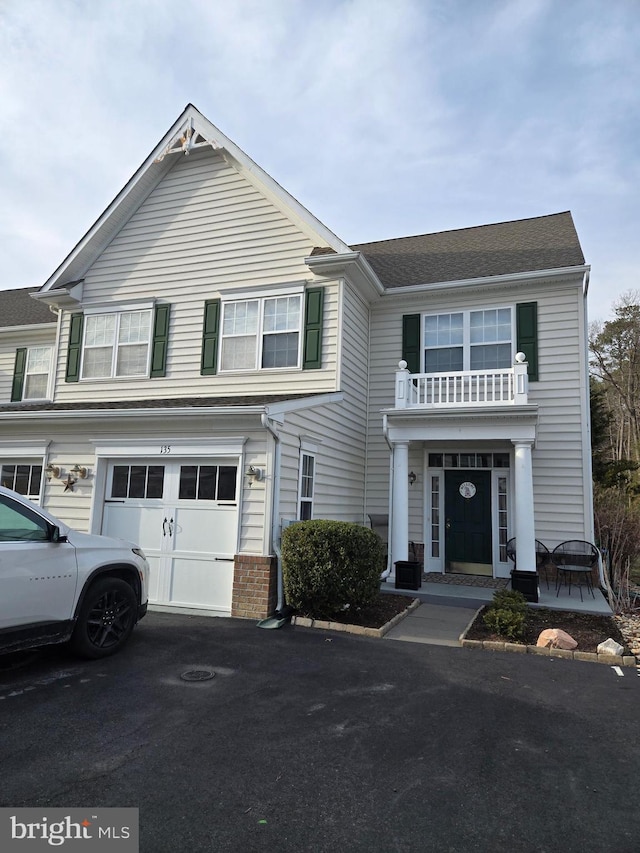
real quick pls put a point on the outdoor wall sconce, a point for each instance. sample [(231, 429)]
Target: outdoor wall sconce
[(255, 474), (412, 478), (80, 471), (52, 471)]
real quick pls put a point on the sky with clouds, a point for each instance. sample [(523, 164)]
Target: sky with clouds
[(383, 117)]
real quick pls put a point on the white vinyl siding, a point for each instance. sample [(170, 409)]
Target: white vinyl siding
[(558, 469), (203, 232), (338, 430)]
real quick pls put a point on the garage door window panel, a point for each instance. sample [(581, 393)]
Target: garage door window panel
[(137, 481), (24, 479), (208, 482)]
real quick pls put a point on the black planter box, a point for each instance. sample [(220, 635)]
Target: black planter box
[(408, 574), (526, 583)]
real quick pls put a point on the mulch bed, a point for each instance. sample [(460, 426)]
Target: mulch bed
[(587, 629), (383, 609)]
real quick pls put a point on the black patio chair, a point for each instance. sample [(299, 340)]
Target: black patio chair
[(543, 555), (575, 560)]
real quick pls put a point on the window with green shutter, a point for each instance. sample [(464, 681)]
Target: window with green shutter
[(160, 341), (313, 316), (527, 335), (18, 374), (74, 349), (210, 334), (411, 342)]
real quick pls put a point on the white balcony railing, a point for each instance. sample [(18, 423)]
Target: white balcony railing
[(504, 387)]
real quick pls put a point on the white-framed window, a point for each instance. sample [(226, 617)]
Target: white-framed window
[(306, 488), (468, 340), (116, 345), (36, 373), (23, 477), (262, 333)]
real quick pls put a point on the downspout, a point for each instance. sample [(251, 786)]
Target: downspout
[(275, 507)]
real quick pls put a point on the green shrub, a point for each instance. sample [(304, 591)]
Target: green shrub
[(509, 599), (505, 622), (330, 564)]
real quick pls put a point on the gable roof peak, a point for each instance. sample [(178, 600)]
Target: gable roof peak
[(190, 130)]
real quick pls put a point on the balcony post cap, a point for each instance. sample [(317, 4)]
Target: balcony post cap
[(402, 364), (521, 358)]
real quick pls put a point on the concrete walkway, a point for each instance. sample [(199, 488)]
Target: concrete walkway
[(447, 609)]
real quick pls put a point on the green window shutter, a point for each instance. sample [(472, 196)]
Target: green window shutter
[(160, 341), (210, 332), (18, 374), (527, 335), (411, 342), (74, 350), (313, 314)]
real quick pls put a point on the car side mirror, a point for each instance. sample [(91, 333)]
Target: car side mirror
[(55, 534)]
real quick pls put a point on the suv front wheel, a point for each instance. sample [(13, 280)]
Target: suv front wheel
[(106, 618)]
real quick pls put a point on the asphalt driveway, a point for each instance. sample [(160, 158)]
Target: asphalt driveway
[(306, 740)]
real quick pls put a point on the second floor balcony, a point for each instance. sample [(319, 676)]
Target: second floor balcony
[(505, 386)]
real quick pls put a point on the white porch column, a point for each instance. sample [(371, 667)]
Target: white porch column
[(400, 508), (524, 526)]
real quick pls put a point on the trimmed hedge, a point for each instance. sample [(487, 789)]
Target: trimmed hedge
[(328, 565)]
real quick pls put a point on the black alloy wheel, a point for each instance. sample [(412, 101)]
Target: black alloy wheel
[(106, 618)]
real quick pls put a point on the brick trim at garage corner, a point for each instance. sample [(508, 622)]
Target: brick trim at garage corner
[(520, 648), (33, 830), (305, 622)]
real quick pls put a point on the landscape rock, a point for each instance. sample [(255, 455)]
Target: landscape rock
[(555, 638), (610, 647)]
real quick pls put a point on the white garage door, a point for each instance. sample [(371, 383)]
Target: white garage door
[(184, 515)]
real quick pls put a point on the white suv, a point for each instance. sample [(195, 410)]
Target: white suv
[(58, 585)]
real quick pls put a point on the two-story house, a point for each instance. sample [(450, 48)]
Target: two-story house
[(211, 361)]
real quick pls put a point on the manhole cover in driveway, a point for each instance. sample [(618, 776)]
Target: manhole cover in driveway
[(197, 675)]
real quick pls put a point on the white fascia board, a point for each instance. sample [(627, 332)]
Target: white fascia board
[(305, 403), (490, 281), (19, 448), (155, 413), (31, 327), (61, 297), (352, 264), (128, 414)]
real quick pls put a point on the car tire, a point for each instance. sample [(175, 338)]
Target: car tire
[(106, 618)]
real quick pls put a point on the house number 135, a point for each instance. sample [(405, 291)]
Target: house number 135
[(165, 448)]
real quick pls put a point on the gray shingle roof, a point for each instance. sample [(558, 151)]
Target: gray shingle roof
[(17, 308), (166, 403), (525, 245)]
